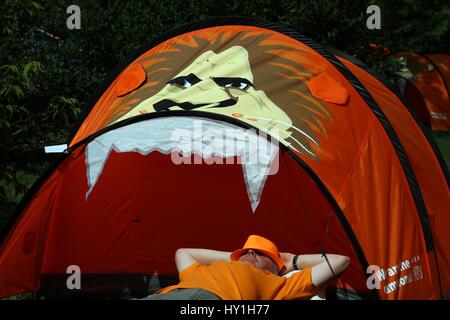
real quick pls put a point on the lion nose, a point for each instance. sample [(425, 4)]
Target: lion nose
[(207, 84)]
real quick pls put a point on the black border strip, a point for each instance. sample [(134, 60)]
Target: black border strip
[(425, 130), (193, 113)]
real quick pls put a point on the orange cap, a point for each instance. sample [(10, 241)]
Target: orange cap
[(260, 244)]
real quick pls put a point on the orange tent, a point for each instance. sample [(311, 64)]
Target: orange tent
[(320, 156), (429, 75)]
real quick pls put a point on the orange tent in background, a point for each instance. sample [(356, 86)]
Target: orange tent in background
[(342, 167), (415, 100), (430, 75)]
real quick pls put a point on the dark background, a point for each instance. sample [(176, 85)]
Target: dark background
[(48, 72)]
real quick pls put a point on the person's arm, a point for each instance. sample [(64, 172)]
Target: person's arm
[(185, 257), (320, 271)]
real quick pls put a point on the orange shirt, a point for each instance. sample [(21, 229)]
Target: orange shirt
[(237, 280)]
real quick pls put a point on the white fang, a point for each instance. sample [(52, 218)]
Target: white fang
[(157, 135)]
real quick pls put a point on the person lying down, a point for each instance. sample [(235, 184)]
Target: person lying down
[(254, 272)]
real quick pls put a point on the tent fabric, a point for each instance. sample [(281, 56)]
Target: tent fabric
[(325, 88), (355, 174), (410, 92), (211, 140), (433, 184), (442, 63), (430, 74), (130, 81), (397, 99)]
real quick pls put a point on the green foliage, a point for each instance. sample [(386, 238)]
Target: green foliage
[(417, 25), (24, 296), (31, 116), (15, 80), (48, 72), (26, 126), (443, 141)]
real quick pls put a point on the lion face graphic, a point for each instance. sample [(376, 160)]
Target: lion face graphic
[(220, 83), (241, 77)]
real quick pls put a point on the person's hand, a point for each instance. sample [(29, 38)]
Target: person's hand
[(287, 259)]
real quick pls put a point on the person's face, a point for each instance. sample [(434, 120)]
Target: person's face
[(259, 260)]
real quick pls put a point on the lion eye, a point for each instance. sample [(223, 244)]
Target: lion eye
[(243, 86), (186, 84), (238, 83), (185, 81)]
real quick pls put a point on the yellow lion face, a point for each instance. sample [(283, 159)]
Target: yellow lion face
[(220, 83), (248, 76)]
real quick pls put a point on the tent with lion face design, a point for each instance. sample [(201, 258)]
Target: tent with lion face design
[(227, 128)]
